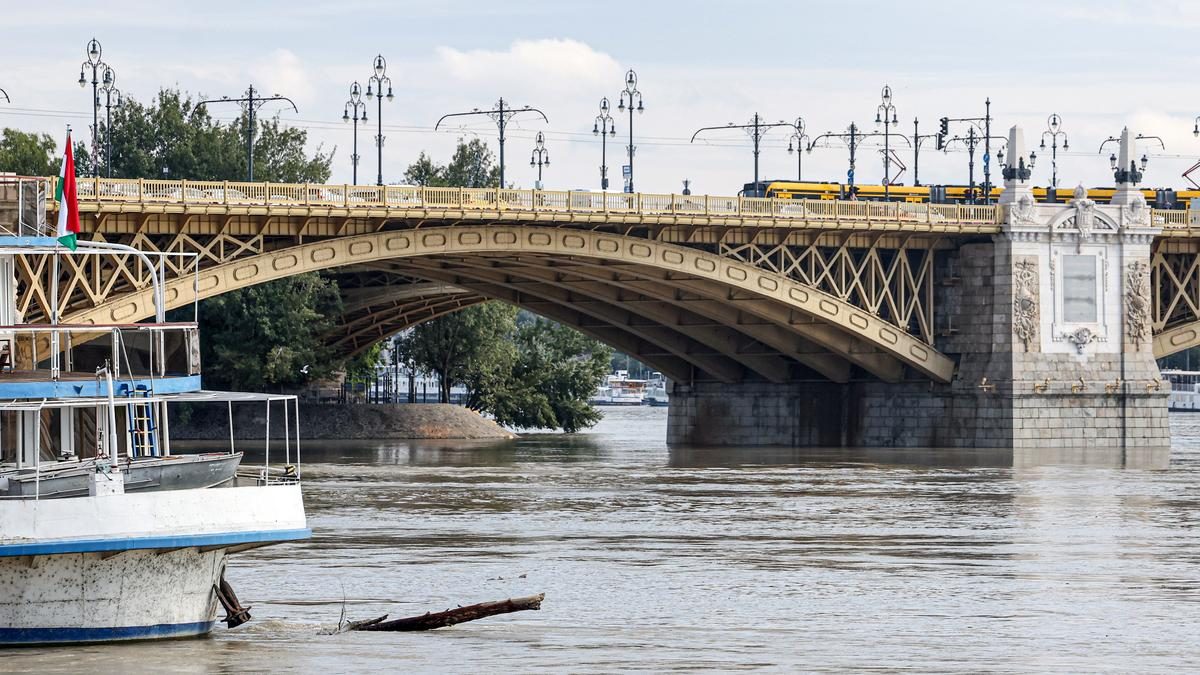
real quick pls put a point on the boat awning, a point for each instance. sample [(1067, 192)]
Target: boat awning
[(201, 396)]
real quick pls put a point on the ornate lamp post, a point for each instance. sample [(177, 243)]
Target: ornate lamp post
[(604, 127), (377, 80), (628, 96), (350, 113), (501, 115), (94, 50), (250, 102), (1053, 131), (886, 113), (539, 157), (796, 145), (108, 85)]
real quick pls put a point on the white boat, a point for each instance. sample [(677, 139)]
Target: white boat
[(619, 389), (656, 391), (105, 533), (1185, 390)]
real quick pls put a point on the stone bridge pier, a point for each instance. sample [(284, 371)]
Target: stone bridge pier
[(1048, 321)]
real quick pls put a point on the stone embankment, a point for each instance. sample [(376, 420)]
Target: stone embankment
[(336, 422)]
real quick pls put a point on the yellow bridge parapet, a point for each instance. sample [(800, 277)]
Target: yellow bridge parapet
[(107, 195)]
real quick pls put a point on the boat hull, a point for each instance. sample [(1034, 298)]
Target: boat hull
[(130, 566), (98, 597)]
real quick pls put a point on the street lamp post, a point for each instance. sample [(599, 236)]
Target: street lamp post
[(108, 84), (378, 79), (886, 113), (628, 96), (501, 116), (756, 128), (1053, 131), (539, 157), (94, 51), (250, 104), (917, 139), (796, 144), (604, 127), (5, 95), (1130, 174), (350, 113)]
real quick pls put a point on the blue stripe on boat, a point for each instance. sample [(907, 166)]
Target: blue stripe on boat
[(92, 388), (132, 543), (30, 636)]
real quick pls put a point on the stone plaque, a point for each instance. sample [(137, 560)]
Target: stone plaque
[(1079, 289)]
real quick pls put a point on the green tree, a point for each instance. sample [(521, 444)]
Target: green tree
[(270, 334), (555, 373), (470, 346), (27, 154), (472, 166)]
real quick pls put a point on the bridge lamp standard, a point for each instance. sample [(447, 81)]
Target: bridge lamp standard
[(501, 115), (604, 127), (94, 51), (796, 145), (350, 113), (108, 86), (539, 157), (377, 80), (756, 129), (886, 114), (628, 96), (1020, 171), (1053, 132), (1131, 174)]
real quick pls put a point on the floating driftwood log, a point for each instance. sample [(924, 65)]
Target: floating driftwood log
[(431, 620)]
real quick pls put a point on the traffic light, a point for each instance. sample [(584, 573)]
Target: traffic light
[(943, 132)]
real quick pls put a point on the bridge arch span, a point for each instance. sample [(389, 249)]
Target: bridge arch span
[(684, 308)]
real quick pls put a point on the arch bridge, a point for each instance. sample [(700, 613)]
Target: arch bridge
[(723, 290)]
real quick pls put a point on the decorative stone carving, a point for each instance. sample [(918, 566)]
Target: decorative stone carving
[(1085, 213), (1022, 211), (1136, 213), (1137, 302), (1081, 338), (1025, 301)]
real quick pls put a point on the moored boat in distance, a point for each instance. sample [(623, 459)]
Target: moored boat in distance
[(619, 389), (106, 533)]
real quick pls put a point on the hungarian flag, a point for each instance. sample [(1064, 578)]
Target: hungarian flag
[(68, 202)]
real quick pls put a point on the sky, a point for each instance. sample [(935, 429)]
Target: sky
[(1099, 64)]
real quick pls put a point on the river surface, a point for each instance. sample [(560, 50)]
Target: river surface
[(730, 559)]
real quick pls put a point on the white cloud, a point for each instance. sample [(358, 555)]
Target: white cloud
[(557, 64)]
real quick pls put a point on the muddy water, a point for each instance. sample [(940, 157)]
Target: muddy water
[(653, 559)]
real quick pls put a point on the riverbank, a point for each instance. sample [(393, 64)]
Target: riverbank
[(333, 422)]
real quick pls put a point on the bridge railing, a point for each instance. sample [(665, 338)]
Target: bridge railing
[(392, 197)]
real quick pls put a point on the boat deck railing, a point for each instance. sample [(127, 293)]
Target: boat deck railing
[(57, 352)]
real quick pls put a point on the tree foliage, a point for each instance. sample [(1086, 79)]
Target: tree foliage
[(27, 154), (264, 336), (472, 166), (470, 346)]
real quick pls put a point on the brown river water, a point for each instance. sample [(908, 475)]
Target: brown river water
[(655, 559)]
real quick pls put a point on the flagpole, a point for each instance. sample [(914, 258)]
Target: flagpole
[(54, 341)]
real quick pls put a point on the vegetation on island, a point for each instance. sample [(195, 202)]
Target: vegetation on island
[(525, 371)]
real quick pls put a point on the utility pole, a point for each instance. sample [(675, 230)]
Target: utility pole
[(917, 139), (604, 127), (853, 138), (108, 86), (377, 80), (539, 157), (94, 50), (351, 113), (756, 128), (796, 144), (627, 97), (501, 116), (250, 102), (984, 125), (882, 115)]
